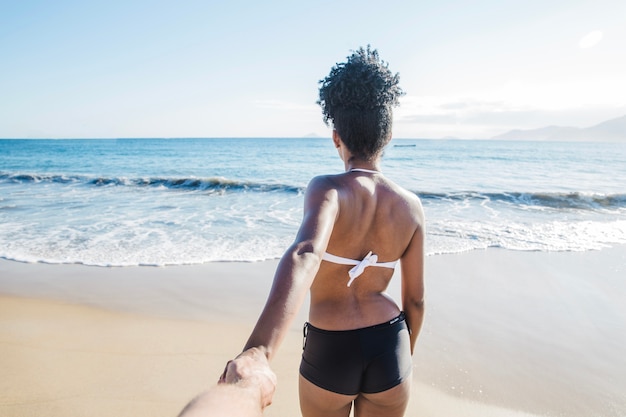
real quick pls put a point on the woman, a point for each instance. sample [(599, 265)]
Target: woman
[(356, 225)]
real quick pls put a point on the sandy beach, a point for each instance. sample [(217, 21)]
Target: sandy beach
[(506, 334)]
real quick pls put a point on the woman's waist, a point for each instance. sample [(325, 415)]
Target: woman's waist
[(348, 314), (399, 319)]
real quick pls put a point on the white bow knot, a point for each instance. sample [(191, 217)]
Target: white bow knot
[(369, 260)]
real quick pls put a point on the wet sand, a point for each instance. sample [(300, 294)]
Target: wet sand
[(506, 334)]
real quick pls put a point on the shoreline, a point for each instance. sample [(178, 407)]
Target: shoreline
[(506, 333)]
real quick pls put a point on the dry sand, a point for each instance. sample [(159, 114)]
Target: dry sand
[(506, 334)]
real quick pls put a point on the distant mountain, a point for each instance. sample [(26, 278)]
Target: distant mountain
[(613, 130)]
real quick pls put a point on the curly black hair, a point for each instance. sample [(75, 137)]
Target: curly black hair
[(357, 97)]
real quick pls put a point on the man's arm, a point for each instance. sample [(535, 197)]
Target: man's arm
[(225, 400), (244, 390)]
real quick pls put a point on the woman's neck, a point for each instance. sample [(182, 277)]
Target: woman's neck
[(363, 165)]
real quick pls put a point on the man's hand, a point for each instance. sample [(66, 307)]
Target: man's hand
[(251, 370)]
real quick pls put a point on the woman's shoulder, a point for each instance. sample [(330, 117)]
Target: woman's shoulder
[(327, 181), (408, 198), (322, 187), (401, 191)]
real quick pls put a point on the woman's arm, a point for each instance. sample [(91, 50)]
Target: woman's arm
[(412, 263), (297, 268)]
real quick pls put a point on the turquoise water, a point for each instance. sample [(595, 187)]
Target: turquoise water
[(185, 201)]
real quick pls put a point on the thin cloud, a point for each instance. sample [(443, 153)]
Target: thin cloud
[(591, 39), (488, 116)]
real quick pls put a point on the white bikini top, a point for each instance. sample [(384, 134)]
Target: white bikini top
[(369, 171), (359, 266)]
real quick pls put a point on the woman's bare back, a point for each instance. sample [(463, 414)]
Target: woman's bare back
[(374, 215)]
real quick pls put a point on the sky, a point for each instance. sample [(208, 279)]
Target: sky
[(242, 68)]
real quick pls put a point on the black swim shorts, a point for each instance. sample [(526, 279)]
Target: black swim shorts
[(368, 360)]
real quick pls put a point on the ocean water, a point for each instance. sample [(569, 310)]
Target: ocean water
[(122, 202)]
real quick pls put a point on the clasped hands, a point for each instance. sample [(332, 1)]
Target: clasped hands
[(251, 370)]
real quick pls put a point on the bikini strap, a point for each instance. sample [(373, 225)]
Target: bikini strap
[(338, 259), (359, 266)]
